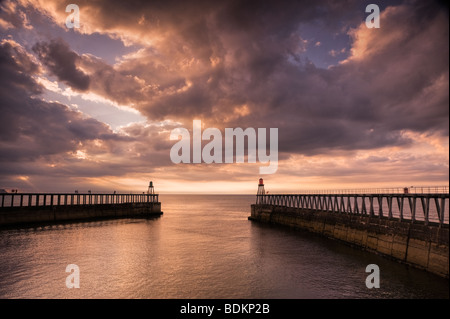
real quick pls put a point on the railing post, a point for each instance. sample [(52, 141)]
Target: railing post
[(363, 205), (342, 205), (371, 212), (348, 208), (412, 206), (400, 201), (425, 200), (380, 206), (442, 209), (355, 205), (389, 200)]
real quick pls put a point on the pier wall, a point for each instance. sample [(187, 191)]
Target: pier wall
[(413, 243), (13, 216)]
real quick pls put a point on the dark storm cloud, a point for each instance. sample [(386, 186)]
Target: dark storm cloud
[(12, 16), (210, 61), (116, 85), (40, 138), (366, 103), (395, 79), (62, 62), (30, 127)]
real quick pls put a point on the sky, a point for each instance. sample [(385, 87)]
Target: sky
[(93, 107)]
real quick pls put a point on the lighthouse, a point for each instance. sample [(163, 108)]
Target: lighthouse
[(261, 191), (261, 187), (151, 189)]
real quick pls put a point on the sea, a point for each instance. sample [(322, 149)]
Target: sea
[(202, 247)]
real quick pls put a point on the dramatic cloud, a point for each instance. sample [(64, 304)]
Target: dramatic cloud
[(40, 138), (209, 62), (62, 62), (31, 128), (381, 99)]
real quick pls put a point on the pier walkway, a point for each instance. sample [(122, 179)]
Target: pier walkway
[(8, 200), (412, 228), (404, 207), (31, 208)]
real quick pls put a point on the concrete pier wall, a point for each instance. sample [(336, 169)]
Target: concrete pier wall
[(13, 216), (416, 244)]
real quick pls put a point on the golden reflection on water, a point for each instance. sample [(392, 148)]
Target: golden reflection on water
[(202, 247)]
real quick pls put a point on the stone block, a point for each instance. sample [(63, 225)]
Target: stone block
[(384, 244), (372, 241), (438, 260), (418, 252)]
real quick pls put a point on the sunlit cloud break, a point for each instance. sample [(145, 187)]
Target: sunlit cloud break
[(357, 98)]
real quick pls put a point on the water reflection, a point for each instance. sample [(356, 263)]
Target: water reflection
[(202, 247)]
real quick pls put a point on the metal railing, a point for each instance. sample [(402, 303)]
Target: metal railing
[(384, 190), (8, 200), (412, 207)]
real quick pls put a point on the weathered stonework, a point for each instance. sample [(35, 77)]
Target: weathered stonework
[(416, 244), (23, 216)]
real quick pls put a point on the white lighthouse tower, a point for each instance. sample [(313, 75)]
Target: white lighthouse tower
[(261, 191), (151, 189)]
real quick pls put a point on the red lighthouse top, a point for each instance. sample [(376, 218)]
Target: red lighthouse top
[(261, 182)]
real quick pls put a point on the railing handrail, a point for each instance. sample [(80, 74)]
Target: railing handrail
[(356, 194), (382, 205), (72, 193), (436, 189), (69, 199)]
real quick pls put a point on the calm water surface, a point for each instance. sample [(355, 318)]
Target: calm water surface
[(202, 247)]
